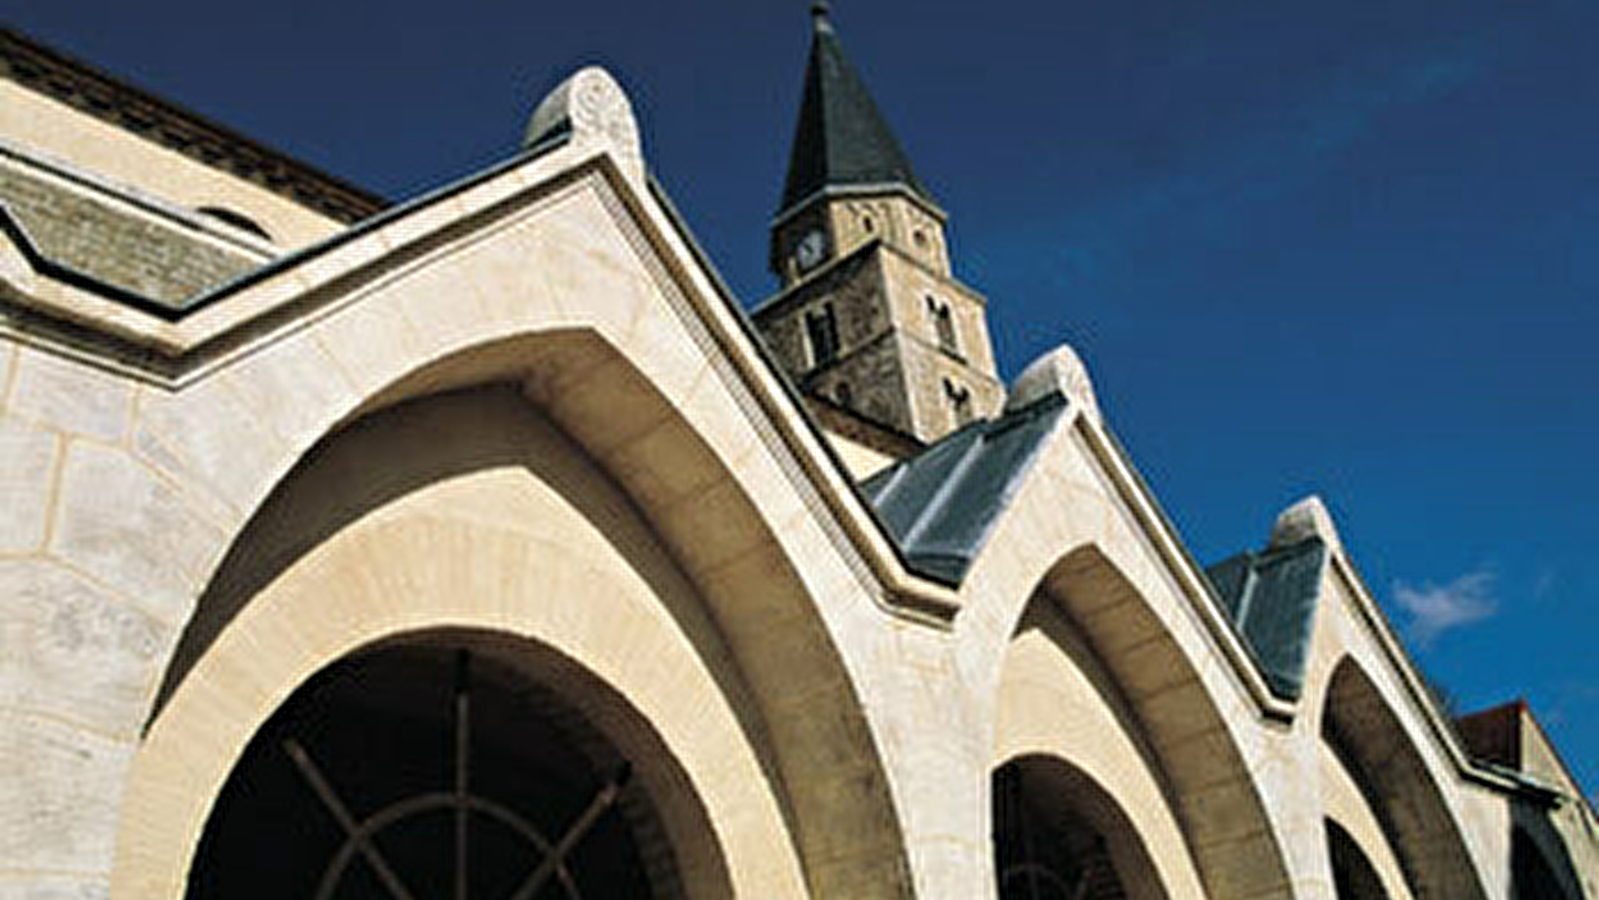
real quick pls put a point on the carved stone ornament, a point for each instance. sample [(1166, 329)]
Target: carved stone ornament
[(1057, 371), (1305, 519), (593, 107)]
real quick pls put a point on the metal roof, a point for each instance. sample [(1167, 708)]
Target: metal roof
[(940, 505), (1271, 597)]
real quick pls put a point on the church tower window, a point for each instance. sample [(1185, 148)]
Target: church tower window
[(944, 323), (960, 402), (821, 332)]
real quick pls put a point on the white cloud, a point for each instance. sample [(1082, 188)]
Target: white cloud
[(1434, 609)]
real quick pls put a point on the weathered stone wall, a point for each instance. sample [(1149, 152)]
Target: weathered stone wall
[(895, 220), (909, 286)]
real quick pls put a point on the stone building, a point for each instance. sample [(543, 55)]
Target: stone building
[(482, 546)]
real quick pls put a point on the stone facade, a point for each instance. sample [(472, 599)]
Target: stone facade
[(518, 422)]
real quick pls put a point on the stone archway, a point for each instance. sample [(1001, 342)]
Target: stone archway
[(468, 510), (1369, 741), (1177, 731), (443, 764), (1089, 779)]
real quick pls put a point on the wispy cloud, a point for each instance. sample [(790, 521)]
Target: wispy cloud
[(1433, 609)]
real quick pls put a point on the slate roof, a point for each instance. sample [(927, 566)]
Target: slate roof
[(144, 252), (841, 139), (940, 505), (1270, 597)]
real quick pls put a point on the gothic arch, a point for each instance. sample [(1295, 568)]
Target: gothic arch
[(1187, 741), (1059, 833), (580, 295), (1351, 819), (462, 510), (1370, 741), (1541, 867), (1063, 726)]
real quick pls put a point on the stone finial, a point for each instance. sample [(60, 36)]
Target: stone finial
[(594, 109), (1060, 371), (819, 13), (1305, 519)]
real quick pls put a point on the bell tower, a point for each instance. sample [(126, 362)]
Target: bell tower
[(869, 316)]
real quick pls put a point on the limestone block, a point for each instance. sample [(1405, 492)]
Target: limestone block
[(8, 359), (71, 396), (123, 525), (510, 295), (59, 799), (593, 271), (53, 887), (70, 650), (25, 484), (295, 388), (371, 342), (206, 432), (445, 314)]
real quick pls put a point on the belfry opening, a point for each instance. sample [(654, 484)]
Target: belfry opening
[(431, 769)]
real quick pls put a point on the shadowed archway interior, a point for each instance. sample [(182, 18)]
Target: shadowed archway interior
[(1059, 836), (1353, 874), (431, 769)]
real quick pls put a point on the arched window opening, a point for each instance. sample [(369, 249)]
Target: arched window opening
[(960, 402), (867, 225), (944, 325), (1354, 877), (1059, 836), (235, 219), (430, 771), (846, 397), (821, 332)]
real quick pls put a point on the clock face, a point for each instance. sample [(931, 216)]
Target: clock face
[(810, 249)]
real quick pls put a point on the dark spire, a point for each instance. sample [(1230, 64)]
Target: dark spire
[(841, 138)]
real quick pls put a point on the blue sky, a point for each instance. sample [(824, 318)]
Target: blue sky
[(1348, 248)]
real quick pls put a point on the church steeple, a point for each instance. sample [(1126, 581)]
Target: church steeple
[(841, 140), (870, 317)]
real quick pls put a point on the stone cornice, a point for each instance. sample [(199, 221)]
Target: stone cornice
[(138, 112)]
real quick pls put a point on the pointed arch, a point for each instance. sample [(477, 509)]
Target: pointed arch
[(1181, 729), (739, 596), (1367, 736)]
